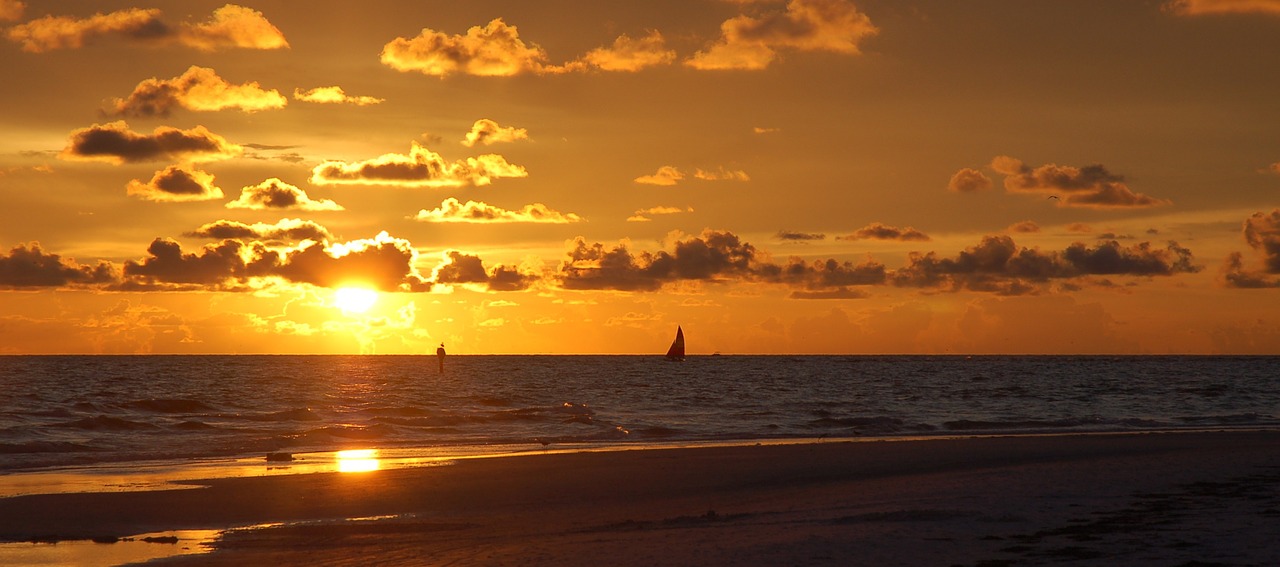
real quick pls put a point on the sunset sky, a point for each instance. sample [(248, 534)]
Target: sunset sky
[(575, 176)]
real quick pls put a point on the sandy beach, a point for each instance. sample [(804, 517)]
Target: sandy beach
[(1139, 499)]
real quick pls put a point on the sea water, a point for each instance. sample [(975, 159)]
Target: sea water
[(61, 411)]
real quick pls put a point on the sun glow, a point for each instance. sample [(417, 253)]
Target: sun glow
[(357, 460), (354, 299)]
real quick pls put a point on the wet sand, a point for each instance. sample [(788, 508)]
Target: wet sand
[(1157, 498)]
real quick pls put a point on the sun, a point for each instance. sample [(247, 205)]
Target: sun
[(354, 299)]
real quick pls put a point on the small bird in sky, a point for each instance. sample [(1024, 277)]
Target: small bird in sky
[(1055, 197)]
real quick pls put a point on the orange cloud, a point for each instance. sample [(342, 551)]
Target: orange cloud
[(1262, 233), (630, 55), (969, 180), (460, 268), (1086, 187), (333, 95), (722, 174), (176, 184), (877, 231), (114, 143), (1205, 7), (488, 132), (11, 10), (199, 89), (284, 229), (806, 25), (421, 168), (229, 26), (666, 176), (494, 50), (452, 210), (276, 194), (1024, 226), (29, 266), (639, 215), (794, 236)]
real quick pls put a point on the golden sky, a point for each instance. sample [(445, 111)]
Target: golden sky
[(574, 176)]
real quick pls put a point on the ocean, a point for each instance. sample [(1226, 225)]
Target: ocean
[(75, 411)]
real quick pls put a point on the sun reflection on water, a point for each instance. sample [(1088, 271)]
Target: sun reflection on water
[(357, 460)]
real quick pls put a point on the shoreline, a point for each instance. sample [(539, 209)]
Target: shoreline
[(928, 501)]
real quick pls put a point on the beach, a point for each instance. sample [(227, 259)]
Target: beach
[(1148, 498)]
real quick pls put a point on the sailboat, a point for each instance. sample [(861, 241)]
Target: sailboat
[(676, 352)]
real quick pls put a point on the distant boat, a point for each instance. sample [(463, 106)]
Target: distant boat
[(676, 352)]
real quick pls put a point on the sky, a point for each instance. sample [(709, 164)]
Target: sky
[(575, 176)]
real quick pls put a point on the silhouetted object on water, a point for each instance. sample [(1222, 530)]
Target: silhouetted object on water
[(676, 352), (440, 357)]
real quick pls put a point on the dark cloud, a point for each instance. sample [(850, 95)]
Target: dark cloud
[(382, 262), (229, 26), (216, 266), (877, 231), (713, 255), (791, 236), (969, 180), (176, 183), (199, 89), (748, 42), (1262, 233), (460, 268), (276, 194), (1024, 226), (115, 143), (284, 229), (29, 266), (823, 274), (1091, 186), (420, 168)]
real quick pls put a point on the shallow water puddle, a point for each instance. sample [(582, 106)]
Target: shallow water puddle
[(86, 553)]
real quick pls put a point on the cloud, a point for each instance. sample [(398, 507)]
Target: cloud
[(722, 174), (460, 268), (174, 184), (969, 181), (877, 231), (29, 266), (640, 215), (1262, 233), (333, 95), (199, 89), (806, 25), (759, 130), (494, 50), (452, 210), (790, 235), (666, 176), (284, 229), (11, 10), (1087, 187), (276, 194), (710, 256), (998, 265), (421, 168), (631, 55), (384, 262), (229, 26), (488, 132), (114, 143), (1024, 226), (216, 265), (1210, 7)]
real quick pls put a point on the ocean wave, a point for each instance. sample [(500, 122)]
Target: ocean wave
[(107, 423), (173, 405), (45, 447), (296, 414)]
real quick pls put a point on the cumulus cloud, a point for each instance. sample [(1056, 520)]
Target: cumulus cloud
[(460, 268), (488, 132), (493, 50), (722, 174), (713, 255), (420, 168), (1262, 233), (1209, 7), (752, 43), (1088, 187), (878, 231), (115, 143), (276, 194), (452, 210), (229, 26), (630, 55), (998, 265), (284, 229), (642, 215), (11, 10), (29, 266), (199, 89), (384, 262), (333, 95), (176, 183), (969, 180), (666, 176)]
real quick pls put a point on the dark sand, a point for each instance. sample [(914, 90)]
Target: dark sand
[(1142, 499)]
